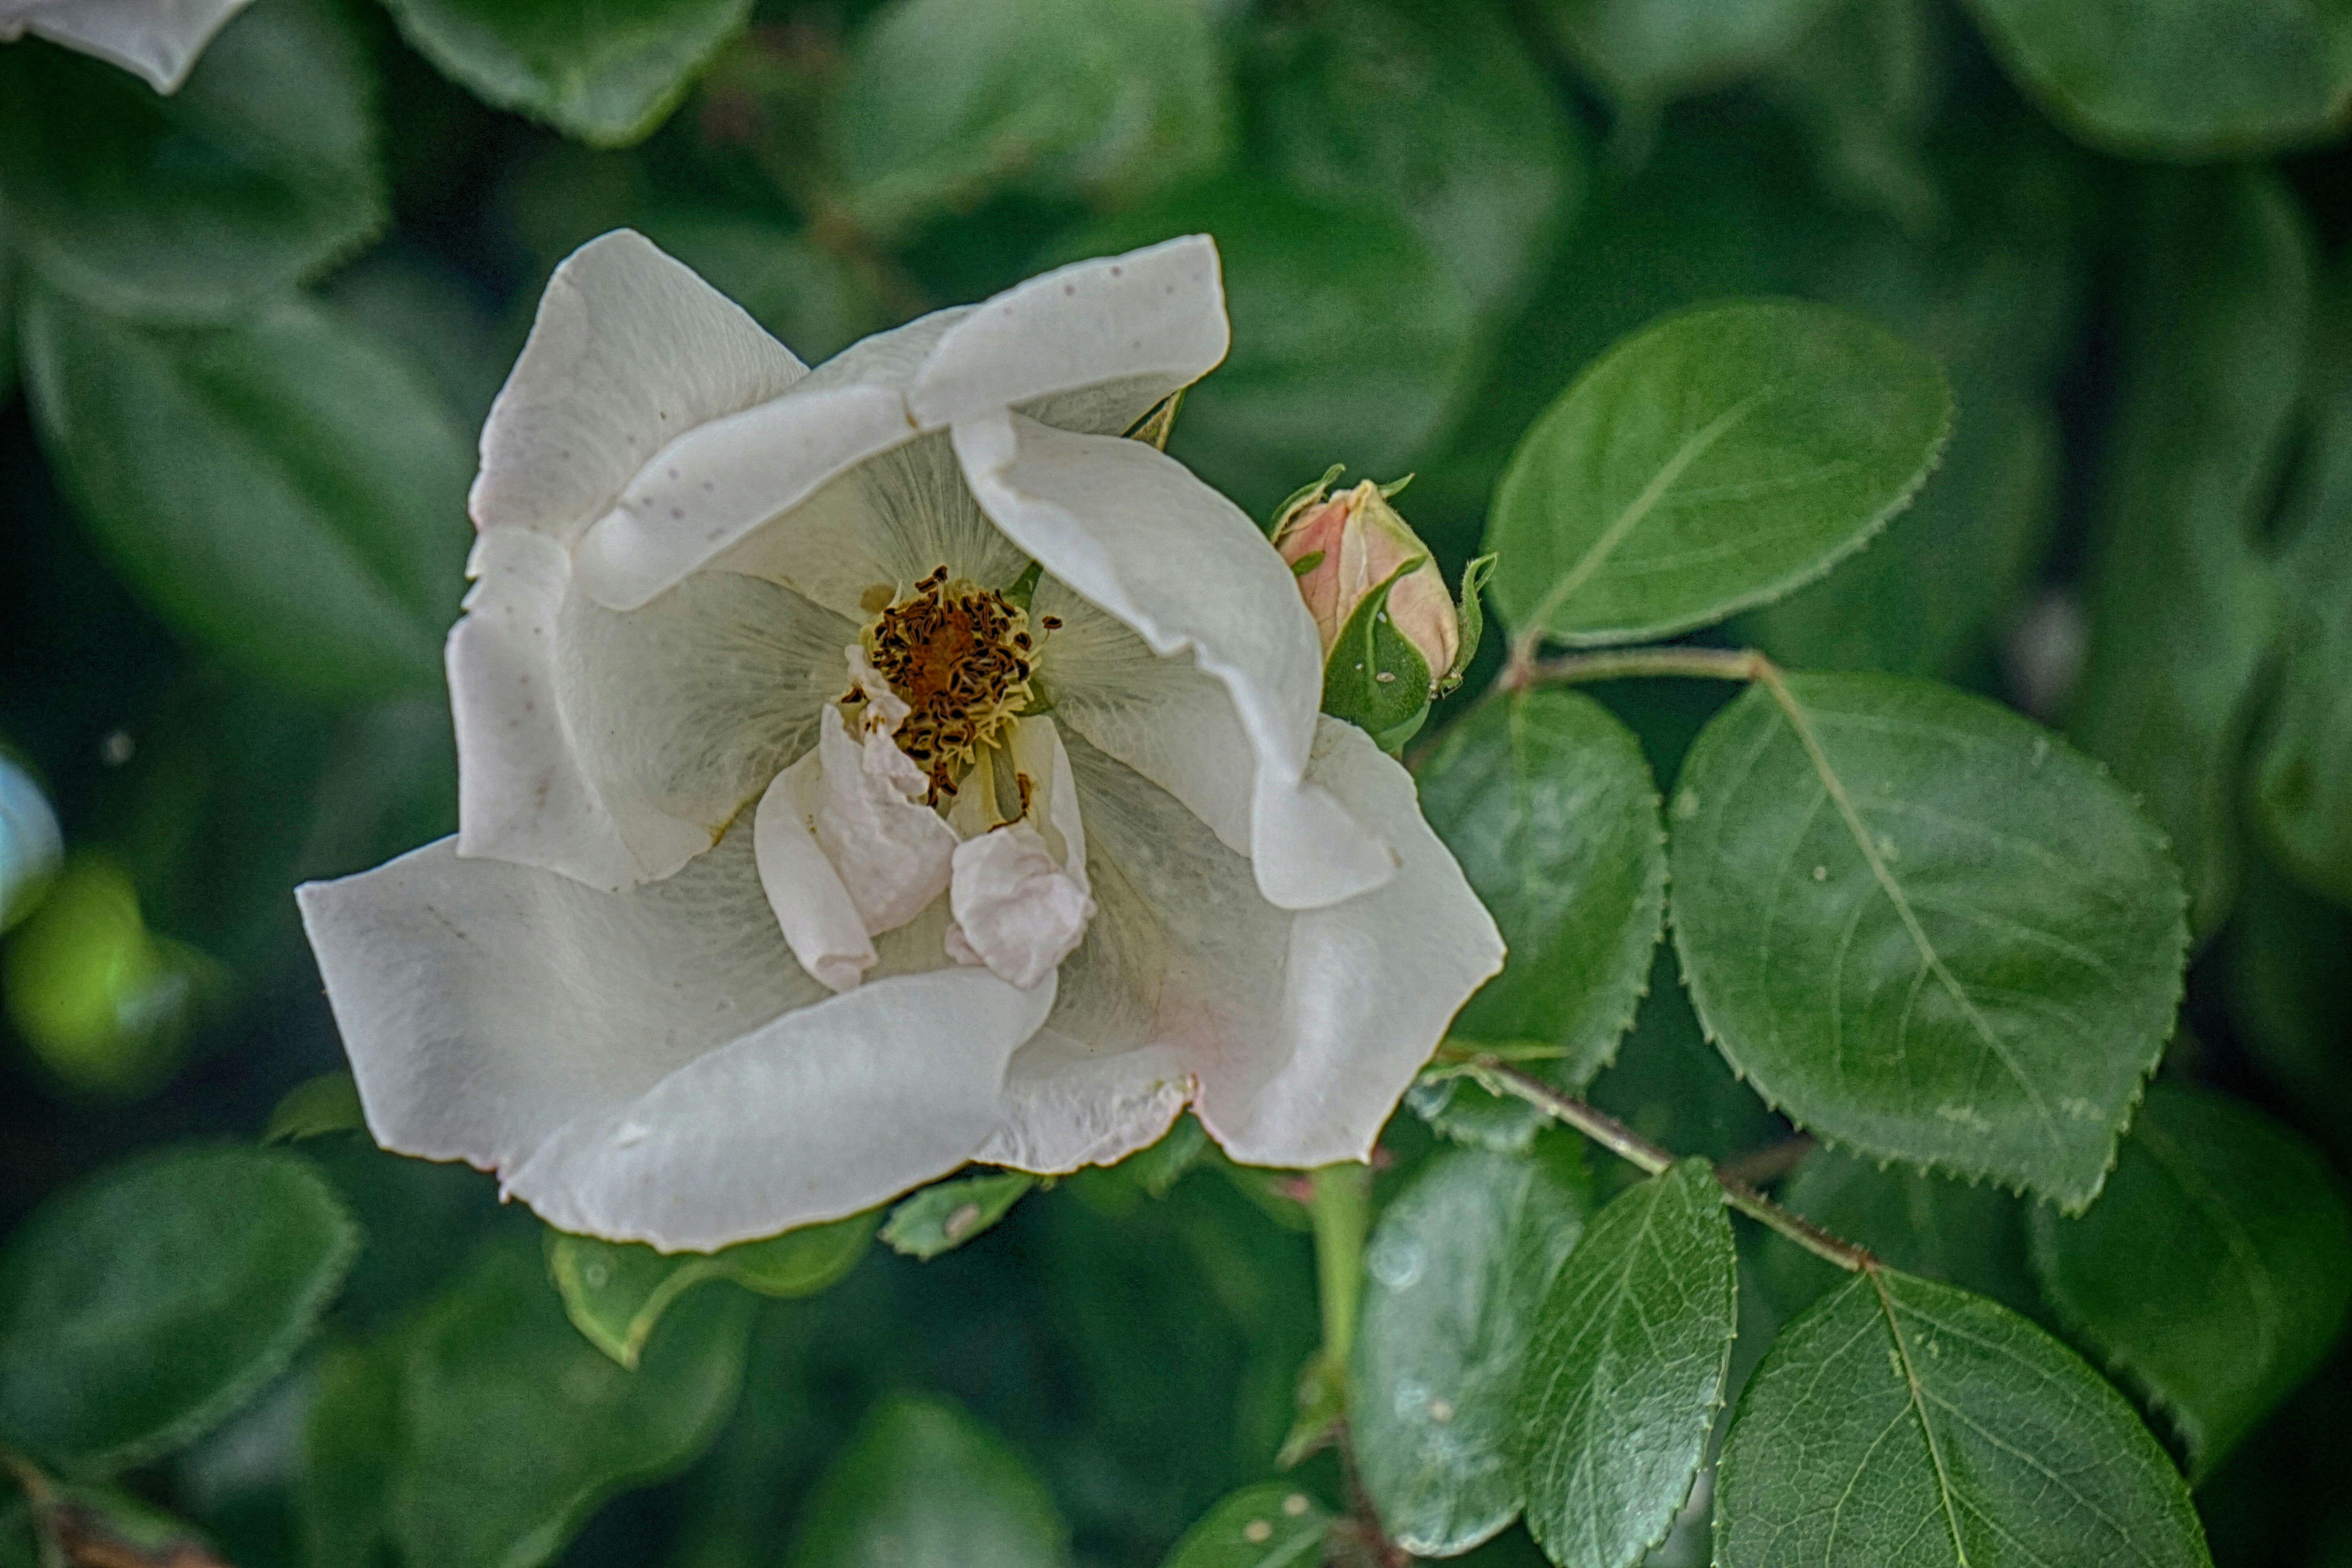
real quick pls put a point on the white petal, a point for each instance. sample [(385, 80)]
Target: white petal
[(630, 350), (486, 1004), (819, 918), (1017, 910), (894, 853), (612, 747), (1131, 531), (1154, 319), (158, 39), (1067, 1104), (821, 1113)]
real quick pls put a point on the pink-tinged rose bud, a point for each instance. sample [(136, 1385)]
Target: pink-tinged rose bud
[(1344, 546)]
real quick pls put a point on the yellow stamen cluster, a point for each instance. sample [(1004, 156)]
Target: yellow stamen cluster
[(961, 657)]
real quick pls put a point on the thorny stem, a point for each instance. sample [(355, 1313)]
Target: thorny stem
[(1648, 1157)]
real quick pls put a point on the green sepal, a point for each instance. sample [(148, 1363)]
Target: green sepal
[(328, 1103), (1470, 618), (1305, 493), (1369, 648), (946, 1215)]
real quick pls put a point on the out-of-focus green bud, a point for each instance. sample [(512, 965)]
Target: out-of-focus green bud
[(30, 843), (1392, 638)]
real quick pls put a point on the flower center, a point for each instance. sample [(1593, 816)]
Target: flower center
[(959, 655)]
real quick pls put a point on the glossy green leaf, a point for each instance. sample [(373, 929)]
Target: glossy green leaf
[(2214, 1271), (1711, 462), (1456, 1273), (1669, 1084), (141, 1306), (259, 173), (283, 491), (615, 1291), (947, 101), (1645, 52), (2180, 80), (1547, 801), (1626, 1371), (922, 1485), (328, 1103), (1923, 1224), (2181, 606), (1904, 1423), (513, 1428), (1432, 108), (605, 73), (1965, 952), (1351, 341), (949, 1214), (1270, 1525)]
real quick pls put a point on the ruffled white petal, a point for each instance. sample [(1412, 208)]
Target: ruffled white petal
[(1017, 910), (652, 1065), (1132, 530), (613, 747), (1067, 1104), (819, 918), (630, 350), (158, 39), (893, 853)]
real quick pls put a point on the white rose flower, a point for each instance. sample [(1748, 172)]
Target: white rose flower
[(159, 39), (869, 770)]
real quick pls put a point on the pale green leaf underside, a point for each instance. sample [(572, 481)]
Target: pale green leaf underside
[(2214, 1271), (1270, 1525), (1904, 1423), (1713, 461), (1626, 1371), (1966, 955), (949, 1214)]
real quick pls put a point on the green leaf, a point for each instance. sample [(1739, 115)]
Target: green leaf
[(1548, 803), (1972, 1236), (1270, 1525), (1373, 678), (1102, 101), (139, 1307), (351, 1447), (1904, 1423), (2184, 82), (2214, 1271), (514, 1427), (259, 172), (2181, 606), (1711, 462), (1157, 1168), (607, 74), (924, 1486), (1350, 342), (1670, 1085), (1458, 1268), (1432, 109), (1626, 1371), (283, 491), (1963, 951), (949, 1214), (615, 1291), (1647, 52), (327, 1103), (1865, 82)]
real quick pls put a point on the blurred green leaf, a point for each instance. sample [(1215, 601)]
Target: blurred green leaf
[(1864, 81), (1548, 805), (328, 1103), (1966, 952), (1454, 1275), (1713, 461), (261, 172), (2211, 79), (142, 1305), (614, 1293), (947, 101), (1646, 52), (1350, 339), (1162, 1165), (2181, 606), (283, 491), (804, 294), (351, 1447), (31, 844), (949, 1214), (607, 73), (1927, 1224), (1270, 1525), (1672, 1087), (2287, 955), (513, 1428), (1626, 1371), (1432, 109), (1957, 1433), (924, 1486), (2213, 1272)]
